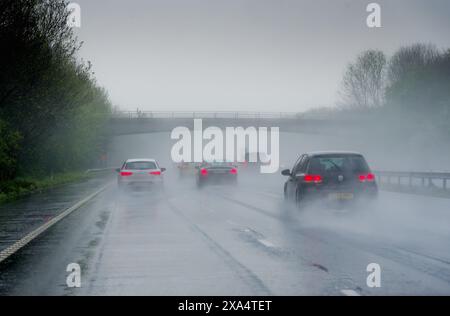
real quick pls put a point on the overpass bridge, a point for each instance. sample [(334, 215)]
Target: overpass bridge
[(140, 122)]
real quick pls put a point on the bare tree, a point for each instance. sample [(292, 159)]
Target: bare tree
[(363, 85)]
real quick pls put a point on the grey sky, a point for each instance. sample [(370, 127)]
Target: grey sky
[(267, 55)]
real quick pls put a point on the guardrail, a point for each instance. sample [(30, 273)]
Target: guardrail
[(206, 114), (431, 180), (100, 170), (410, 180)]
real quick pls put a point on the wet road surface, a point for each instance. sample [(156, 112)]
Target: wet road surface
[(236, 240), (25, 215)]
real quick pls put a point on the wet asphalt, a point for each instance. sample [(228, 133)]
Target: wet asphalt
[(225, 240)]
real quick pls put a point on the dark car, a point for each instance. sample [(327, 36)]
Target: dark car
[(329, 176), (216, 172)]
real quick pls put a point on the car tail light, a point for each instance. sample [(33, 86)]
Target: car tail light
[(204, 172), (126, 173), (155, 173), (233, 171), (370, 177), (310, 178)]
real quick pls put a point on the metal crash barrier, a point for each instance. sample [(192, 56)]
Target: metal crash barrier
[(424, 180)]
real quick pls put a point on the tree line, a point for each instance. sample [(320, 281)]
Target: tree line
[(414, 81), (52, 111), (399, 106)]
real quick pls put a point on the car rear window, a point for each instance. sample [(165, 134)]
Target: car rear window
[(140, 165), (338, 163)]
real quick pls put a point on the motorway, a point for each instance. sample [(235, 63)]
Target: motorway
[(241, 240), (231, 240)]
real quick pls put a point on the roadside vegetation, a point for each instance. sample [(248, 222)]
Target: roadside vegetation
[(414, 81), (23, 186), (52, 111), (401, 101)]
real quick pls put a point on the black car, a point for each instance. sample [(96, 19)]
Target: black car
[(329, 176), (216, 172)]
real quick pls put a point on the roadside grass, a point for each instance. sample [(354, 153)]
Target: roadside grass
[(22, 186)]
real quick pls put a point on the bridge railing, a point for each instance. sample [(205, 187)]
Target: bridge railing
[(206, 114), (429, 180)]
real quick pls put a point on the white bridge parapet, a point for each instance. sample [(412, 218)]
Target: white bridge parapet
[(206, 114)]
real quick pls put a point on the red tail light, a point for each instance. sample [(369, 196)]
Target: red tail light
[(370, 177), (126, 173), (204, 172), (233, 171), (309, 178), (155, 173)]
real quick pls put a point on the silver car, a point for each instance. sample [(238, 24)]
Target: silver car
[(140, 172)]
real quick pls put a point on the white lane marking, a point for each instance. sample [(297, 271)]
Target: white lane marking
[(350, 293), (261, 240), (4, 254), (266, 243)]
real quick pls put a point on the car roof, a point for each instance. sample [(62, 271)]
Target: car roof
[(141, 160), (321, 153)]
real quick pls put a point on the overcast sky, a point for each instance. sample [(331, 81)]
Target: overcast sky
[(256, 55)]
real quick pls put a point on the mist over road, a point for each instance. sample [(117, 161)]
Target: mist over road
[(234, 240)]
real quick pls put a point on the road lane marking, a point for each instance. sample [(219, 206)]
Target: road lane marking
[(350, 293), (250, 277), (260, 238), (266, 243), (4, 254)]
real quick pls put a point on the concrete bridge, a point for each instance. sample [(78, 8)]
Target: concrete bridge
[(126, 123)]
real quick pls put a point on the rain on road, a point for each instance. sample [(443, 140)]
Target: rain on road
[(231, 240)]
